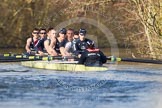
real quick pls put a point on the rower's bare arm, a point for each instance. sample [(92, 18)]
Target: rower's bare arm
[(52, 44), (52, 51), (64, 52), (46, 46), (41, 53), (27, 47), (49, 49)]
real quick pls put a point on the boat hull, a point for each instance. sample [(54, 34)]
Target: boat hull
[(61, 66)]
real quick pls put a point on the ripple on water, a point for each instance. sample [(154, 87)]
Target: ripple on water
[(124, 88)]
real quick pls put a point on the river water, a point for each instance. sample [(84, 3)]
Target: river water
[(124, 85)]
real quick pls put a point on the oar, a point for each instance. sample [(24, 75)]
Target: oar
[(14, 54), (134, 60), (19, 58), (8, 54)]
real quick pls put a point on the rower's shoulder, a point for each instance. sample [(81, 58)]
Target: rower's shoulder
[(46, 41), (29, 39)]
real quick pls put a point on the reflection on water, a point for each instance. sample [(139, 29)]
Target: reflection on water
[(127, 86)]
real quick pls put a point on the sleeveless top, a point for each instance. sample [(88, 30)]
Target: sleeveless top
[(57, 46), (40, 45), (33, 44)]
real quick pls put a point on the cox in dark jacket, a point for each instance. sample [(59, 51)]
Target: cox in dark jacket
[(92, 56)]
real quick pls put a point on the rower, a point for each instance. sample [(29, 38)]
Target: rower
[(32, 42), (81, 44), (40, 46), (75, 40), (60, 43), (76, 35), (49, 43), (71, 38), (92, 56)]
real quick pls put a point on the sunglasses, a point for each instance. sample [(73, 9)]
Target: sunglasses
[(35, 32), (42, 33)]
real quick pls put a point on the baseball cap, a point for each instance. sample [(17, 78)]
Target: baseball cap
[(62, 31), (82, 32)]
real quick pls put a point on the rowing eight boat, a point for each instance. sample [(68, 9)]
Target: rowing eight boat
[(61, 66)]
